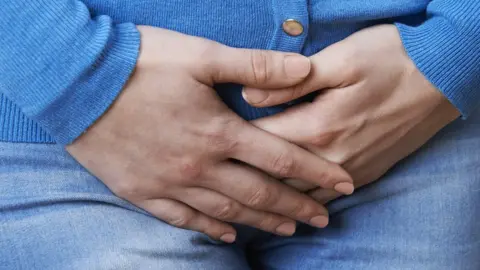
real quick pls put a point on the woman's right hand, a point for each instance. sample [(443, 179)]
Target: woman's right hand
[(167, 142)]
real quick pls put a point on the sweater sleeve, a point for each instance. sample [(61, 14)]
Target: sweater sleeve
[(62, 67), (446, 49)]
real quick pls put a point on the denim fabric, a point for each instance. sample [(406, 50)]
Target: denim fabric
[(424, 214)]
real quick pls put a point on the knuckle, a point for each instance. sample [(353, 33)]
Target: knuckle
[(260, 199), (268, 223), (181, 221), (341, 159), (260, 66), (323, 139), (301, 210), (219, 135), (297, 209), (212, 229), (323, 131), (284, 165), (226, 211), (190, 170), (338, 155), (326, 179)]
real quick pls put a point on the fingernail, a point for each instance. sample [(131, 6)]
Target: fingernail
[(297, 66), (344, 188), (319, 221), (254, 96), (228, 238), (286, 229)]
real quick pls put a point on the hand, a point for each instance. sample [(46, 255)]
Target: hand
[(374, 110), (167, 142)]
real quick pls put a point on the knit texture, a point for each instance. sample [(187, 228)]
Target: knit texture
[(63, 62)]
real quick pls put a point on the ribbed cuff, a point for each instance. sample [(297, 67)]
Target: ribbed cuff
[(448, 58), (89, 100)]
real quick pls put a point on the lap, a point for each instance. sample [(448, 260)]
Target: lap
[(55, 215), (423, 214)]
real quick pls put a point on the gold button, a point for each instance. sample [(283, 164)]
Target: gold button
[(292, 27)]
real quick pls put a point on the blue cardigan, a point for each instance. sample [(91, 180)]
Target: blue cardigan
[(63, 62)]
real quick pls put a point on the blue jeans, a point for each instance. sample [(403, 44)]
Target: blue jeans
[(424, 214)]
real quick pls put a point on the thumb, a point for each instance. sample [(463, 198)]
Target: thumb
[(257, 68), (328, 70)]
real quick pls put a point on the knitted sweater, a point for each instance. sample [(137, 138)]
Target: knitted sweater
[(63, 62)]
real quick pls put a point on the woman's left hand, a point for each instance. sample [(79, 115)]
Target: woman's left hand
[(374, 107)]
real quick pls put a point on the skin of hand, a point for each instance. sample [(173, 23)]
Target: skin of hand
[(374, 107), (170, 146)]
